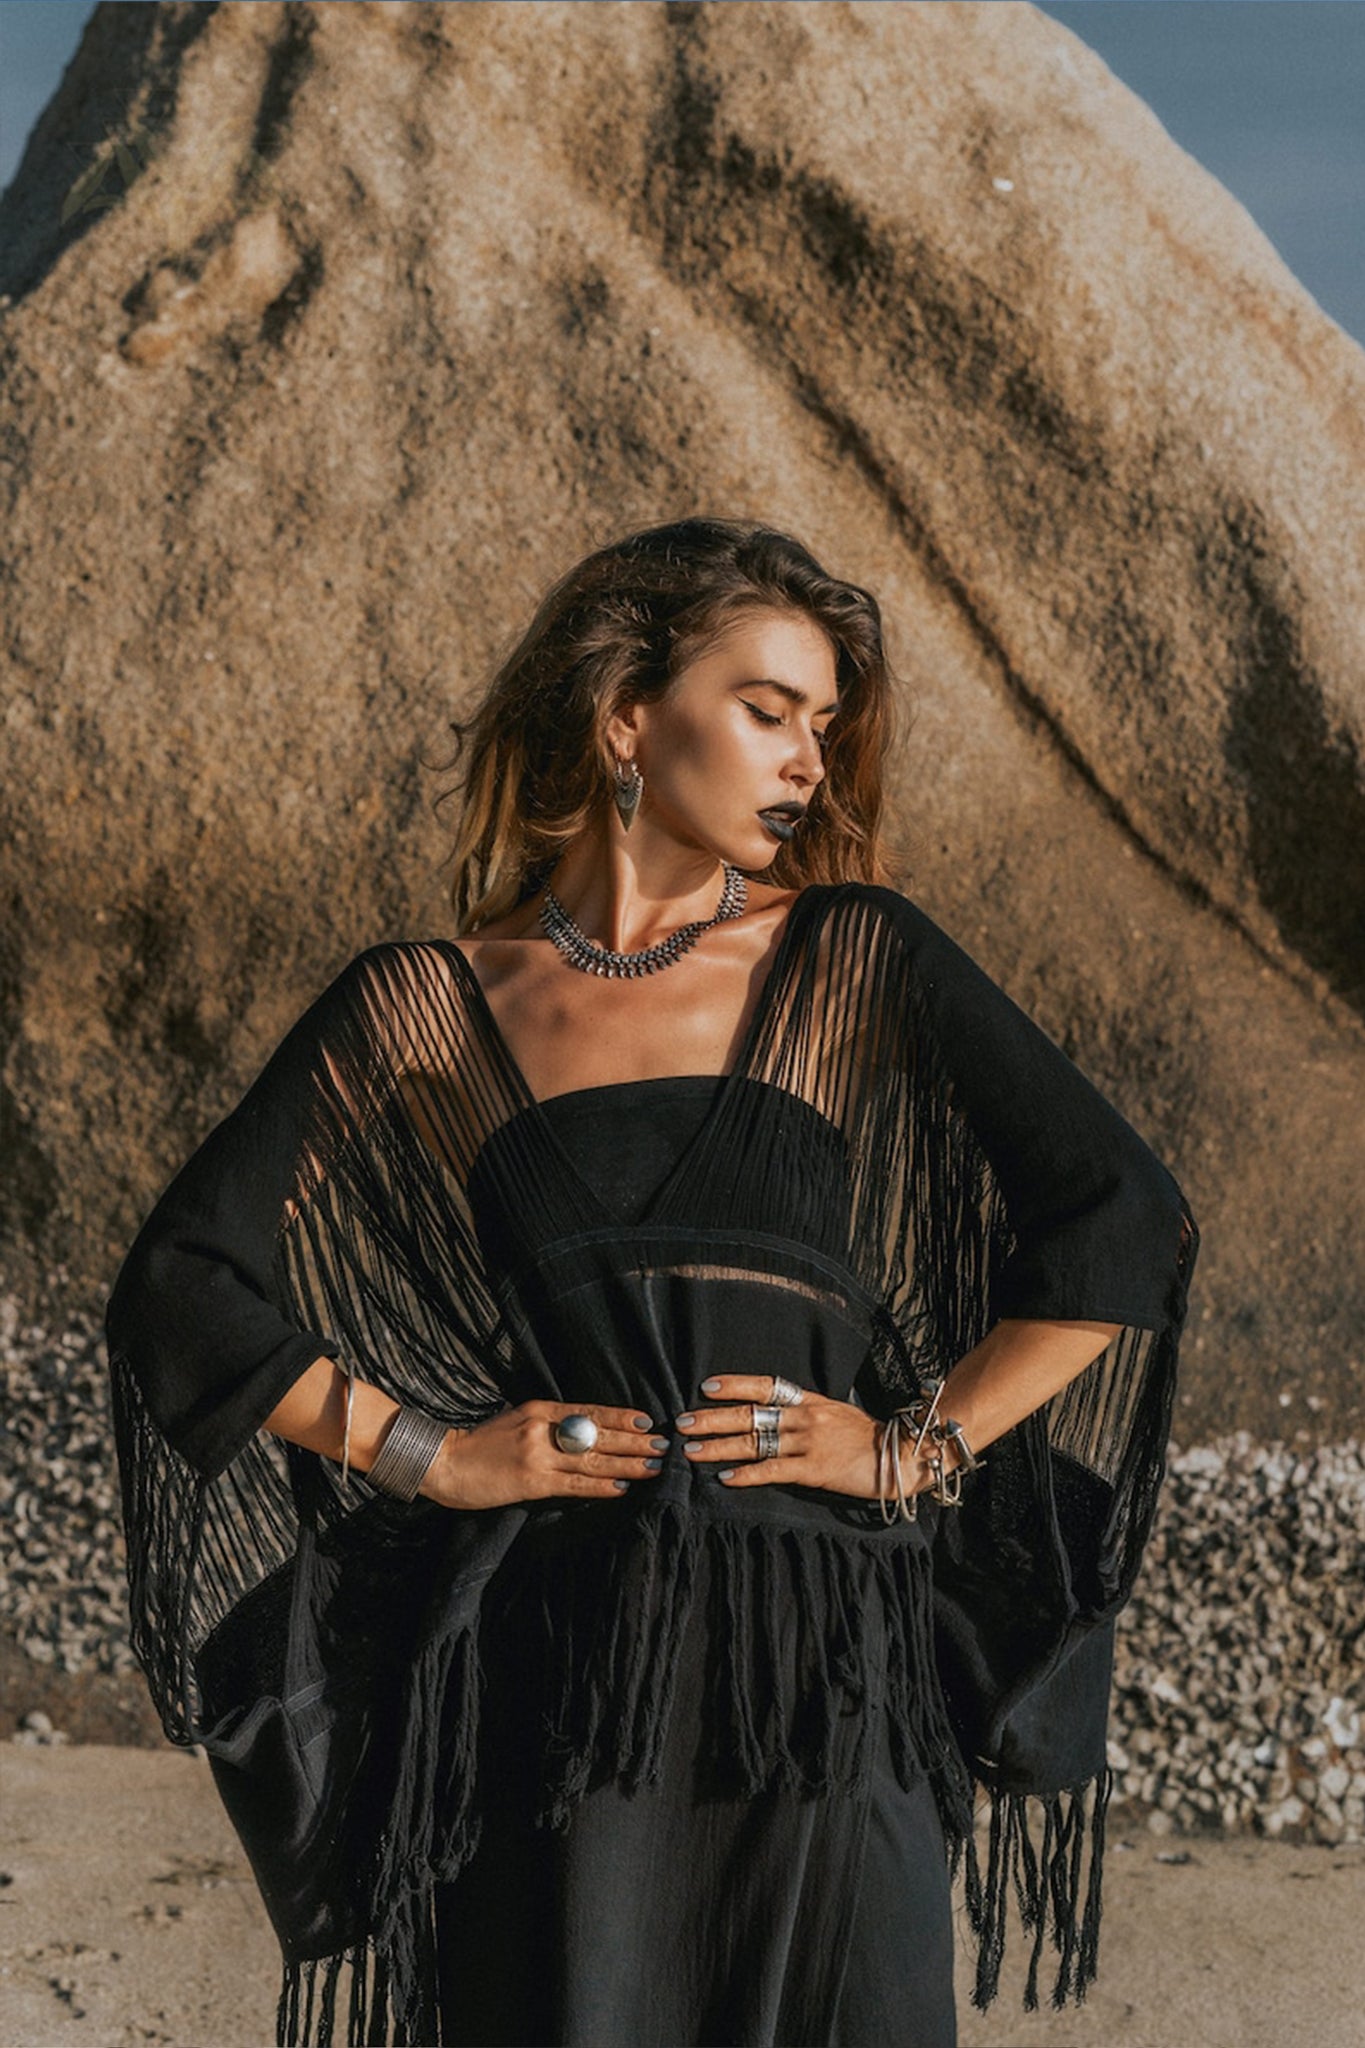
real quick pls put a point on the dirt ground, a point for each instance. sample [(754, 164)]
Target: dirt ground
[(128, 1915)]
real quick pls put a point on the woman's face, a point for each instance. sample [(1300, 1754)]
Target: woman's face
[(742, 729)]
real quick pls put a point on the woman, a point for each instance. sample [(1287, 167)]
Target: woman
[(606, 1466)]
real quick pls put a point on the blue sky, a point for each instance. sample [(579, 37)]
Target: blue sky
[(1268, 94)]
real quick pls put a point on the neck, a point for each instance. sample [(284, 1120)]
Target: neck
[(629, 891)]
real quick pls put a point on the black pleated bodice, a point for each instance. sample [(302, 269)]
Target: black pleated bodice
[(626, 1136)]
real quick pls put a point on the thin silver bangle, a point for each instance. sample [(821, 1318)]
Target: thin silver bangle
[(921, 1421), (894, 1432), (349, 1371)]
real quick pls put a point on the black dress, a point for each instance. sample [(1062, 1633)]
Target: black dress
[(686, 1912), (681, 1764)]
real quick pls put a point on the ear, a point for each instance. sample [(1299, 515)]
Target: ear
[(623, 729)]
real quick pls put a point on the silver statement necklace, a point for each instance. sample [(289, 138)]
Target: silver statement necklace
[(579, 950)]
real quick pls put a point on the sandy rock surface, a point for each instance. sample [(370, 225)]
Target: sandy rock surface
[(128, 1916), (398, 309)]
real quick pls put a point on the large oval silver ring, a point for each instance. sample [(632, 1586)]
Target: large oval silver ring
[(767, 1431), (574, 1433), (786, 1393)]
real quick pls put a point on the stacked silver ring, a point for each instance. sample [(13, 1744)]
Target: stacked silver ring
[(767, 1425), (786, 1393)]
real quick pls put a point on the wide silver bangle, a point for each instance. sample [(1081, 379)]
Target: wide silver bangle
[(408, 1453)]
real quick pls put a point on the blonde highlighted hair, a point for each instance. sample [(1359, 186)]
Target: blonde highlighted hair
[(617, 629)]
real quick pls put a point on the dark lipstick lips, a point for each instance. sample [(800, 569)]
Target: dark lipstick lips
[(782, 819)]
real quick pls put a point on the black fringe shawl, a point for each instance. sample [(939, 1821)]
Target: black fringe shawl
[(898, 1158)]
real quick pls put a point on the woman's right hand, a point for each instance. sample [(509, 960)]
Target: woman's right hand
[(514, 1457)]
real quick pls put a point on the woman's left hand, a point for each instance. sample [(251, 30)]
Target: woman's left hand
[(823, 1443)]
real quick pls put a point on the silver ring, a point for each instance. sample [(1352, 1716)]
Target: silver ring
[(574, 1433), (767, 1431), (786, 1393)]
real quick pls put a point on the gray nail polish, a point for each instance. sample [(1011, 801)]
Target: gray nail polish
[(658, 1443), (642, 1422), (654, 1464)]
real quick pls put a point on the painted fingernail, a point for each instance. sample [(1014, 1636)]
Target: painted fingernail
[(644, 1422), (690, 1450), (686, 1421), (658, 1443), (653, 1464), (710, 1386), (726, 1472), (620, 1484)]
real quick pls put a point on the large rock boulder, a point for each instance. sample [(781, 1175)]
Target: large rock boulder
[(383, 314)]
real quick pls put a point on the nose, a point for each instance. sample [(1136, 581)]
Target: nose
[(812, 761)]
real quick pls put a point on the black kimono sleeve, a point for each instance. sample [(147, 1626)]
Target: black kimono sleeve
[(1102, 1232), (318, 1219), (1029, 1195), (196, 1313)]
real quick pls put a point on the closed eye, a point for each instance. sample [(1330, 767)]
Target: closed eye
[(770, 718)]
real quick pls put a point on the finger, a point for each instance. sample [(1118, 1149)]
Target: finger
[(763, 1471), (739, 1386), (587, 1485), (715, 1421), (605, 1418), (614, 1443), (643, 1465), (632, 1419), (712, 1450)]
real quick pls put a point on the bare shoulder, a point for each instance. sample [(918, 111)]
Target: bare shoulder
[(766, 913), (762, 898), (521, 923)]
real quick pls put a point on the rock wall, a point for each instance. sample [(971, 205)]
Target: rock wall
[(382, 315)]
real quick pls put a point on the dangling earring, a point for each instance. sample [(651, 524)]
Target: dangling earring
[(627, 790)]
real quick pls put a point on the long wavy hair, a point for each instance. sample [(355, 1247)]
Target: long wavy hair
[(617, 629)]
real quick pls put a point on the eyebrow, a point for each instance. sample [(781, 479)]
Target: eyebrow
[(788, 690)]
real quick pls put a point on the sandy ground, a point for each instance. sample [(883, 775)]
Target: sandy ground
[(128, 1915)]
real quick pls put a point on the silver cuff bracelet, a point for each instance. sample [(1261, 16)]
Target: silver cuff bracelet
[(408, 1453)]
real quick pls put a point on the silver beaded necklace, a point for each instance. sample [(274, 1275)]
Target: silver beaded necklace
[(580, 951)]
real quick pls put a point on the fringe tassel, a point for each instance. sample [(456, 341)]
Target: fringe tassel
[(608, 1611), (615, 1615), (433, 1824), (1047, 1884), (393, 1990), (613, 1612), (432, 1829), (287, 2010)]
